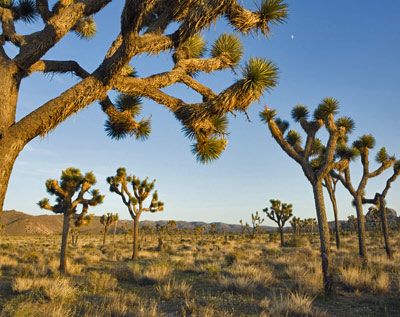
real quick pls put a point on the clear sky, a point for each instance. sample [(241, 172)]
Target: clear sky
[(345, 49)]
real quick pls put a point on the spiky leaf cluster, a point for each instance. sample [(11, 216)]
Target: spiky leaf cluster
[(259, 75), (347, 123), (344, 152), (382, 156), (273, 11), (283, 125), (209, 149), (293, 137), (300, 112), (366, 141), (229, 46), (124, 124), (86, 28), (24, 10), (396, 166), (194, 47), (267, 114), (327, 107)]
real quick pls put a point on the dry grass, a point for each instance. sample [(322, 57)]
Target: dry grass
[(208, 276)]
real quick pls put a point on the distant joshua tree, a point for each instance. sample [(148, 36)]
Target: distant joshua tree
[(361, 147), (256, 222), (107, 221), (279, 213), (296, 225), (79, 221), (352, 223), (213, 229), (70, 192), (134, 199), (316, 160), (244, 228)]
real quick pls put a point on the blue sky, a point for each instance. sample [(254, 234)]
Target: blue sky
[(345, 49)]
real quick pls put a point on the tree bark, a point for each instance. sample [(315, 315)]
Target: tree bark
[(335, 213), (324, 236), (282, 237), (104, 235), (64, 244), (135, 250), (385, 229), (362, 249)]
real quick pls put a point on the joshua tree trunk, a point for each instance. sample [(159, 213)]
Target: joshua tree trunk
[(282, 237), (323, 235), (10, 145), (104, 236), (335, 213), (361, 229), (385, 229), (64, 243), (135, 238)]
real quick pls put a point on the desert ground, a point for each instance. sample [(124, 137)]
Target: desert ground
[(204, 275)]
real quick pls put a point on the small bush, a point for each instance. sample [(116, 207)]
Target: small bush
[(101, 282)]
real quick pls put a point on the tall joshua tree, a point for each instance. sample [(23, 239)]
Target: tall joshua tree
[(256, 222), (315, 159), (380, 202), (143, 29), (280, 213), (107, 220), (134, 199), (70, 193), (330, 184), (361, 147)]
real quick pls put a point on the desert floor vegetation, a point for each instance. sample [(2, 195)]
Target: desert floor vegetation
[(211, 275)]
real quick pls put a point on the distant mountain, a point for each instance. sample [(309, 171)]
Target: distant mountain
[(20, 223)]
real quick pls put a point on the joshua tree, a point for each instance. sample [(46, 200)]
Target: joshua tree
[(79, 221), (380, 202), (256, 222), (244, 228), (213, 229), (352, 223), (134, 199), (279, 213), (171, 226), (107, 221), (330, 184), (70, 192), (296, 224), (142, 30), (361, 147), (315, 160)]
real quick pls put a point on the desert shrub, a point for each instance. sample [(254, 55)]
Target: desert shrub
[(58, 289), (246, 278), (173, 288), (306, 281), (382, 283), (296, 241), (101, 282), (354, 278), (293, 304), (231, 258)]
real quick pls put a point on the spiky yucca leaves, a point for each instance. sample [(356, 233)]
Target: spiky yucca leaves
[(293, 138), (269, 12), (366, 141), (267, 115), (382, 156), (229, 46), (209, 149), (259, 75), (300, 112), (396, 166), (125, 124), (24, 10), (86, 28), (347, 123), (194, 47), (344, 152), (325, 108), (283, 125)]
